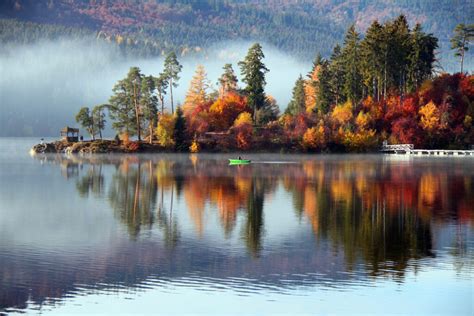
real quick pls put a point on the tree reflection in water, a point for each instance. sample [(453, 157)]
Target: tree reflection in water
[(381, 213)]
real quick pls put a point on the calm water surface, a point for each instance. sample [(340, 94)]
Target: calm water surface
[(188, 234)]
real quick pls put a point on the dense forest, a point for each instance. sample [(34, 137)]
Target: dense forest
[(188, 26), (373, 88)]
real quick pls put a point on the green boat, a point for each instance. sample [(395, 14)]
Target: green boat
[(239, 161)]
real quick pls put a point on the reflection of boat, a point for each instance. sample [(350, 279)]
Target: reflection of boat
[(239, 161)]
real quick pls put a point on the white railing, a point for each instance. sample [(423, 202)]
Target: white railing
[(398, 147)]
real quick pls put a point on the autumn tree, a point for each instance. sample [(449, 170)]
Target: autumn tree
[(197, 92), (243, 130), (226, 109), (165, 130), (463, 35), (253, 73), (172, 68), (311, 84), (315, 138)]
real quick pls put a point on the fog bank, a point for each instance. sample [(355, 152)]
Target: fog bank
[(42, 86)]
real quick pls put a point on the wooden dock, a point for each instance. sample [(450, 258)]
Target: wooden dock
[(409, 149)]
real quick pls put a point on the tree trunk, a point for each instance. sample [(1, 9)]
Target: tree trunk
[(171, 95), (137, 114), (151, 132)]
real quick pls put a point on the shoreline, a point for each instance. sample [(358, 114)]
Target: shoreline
[(105, 146)]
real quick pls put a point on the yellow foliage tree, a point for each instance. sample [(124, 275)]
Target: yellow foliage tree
[(194, 148), (197, 92), (164, 130), (315, 137), (430, 116), (363, 120), (342, 113), (362, 140), (310, 96), (243, 118)]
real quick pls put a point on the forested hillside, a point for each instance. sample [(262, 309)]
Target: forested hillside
[(151, 27)]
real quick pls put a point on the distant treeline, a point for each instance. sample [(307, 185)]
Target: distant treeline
[(382, 87), (300, 28)]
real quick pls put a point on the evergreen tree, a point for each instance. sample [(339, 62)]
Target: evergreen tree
[(121, 110), (98, 118), (161, 84), (253, 73), (228, 80), (124, 104), (179, 132), (84, 117), (372, 59), (172, 68), (149, 104), (325, 96), (398, 53), (463, 35), (421, 57), (351, 66), (336, 76), (297, 103)]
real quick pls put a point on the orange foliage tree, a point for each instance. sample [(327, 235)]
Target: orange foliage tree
[(226, 109), (243, 130)]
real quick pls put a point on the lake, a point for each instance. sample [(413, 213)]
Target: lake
[(189, 234)]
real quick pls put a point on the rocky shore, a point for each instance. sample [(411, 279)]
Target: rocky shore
[(96, 147)]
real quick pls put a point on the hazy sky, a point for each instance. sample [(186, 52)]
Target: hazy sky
[(44, 85)]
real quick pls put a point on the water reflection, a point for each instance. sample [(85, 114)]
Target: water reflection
[(350, 219)]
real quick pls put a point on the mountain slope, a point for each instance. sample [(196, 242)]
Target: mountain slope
[(301, 28)]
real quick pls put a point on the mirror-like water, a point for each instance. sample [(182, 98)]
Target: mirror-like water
[(180, 234)]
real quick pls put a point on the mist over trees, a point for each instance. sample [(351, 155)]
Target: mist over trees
[(154, 28)]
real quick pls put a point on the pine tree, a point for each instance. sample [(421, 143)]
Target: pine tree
[(161, 84), (84, 117), (172, 68), (297, 103), (421, 57), (325, 96), (179, 132), (149, 104), (253, 73), (121, 109), (228, 80), (463, 35), (98, 117), (197, 92), (124, 104), (336, 75), (351, 66), (372, 59)]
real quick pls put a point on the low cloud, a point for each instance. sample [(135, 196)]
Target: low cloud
[(42, 86)]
